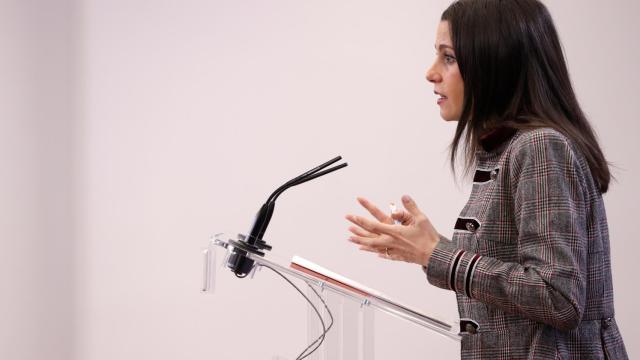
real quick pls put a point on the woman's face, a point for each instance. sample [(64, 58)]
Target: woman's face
[(445, 76)]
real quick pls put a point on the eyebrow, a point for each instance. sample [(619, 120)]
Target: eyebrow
[(443, 46)]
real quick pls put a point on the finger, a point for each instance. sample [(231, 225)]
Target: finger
[(393, 254), (410, 205), (372, 226), (376, 243), (393, 257), (403, 217), (369, 249), (375, 211), (361, 232)]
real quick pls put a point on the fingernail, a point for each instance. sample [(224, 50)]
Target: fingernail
[(406, 198)]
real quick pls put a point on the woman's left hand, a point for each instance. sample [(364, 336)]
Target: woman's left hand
[(413, 240)]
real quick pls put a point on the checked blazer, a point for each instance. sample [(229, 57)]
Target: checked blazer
[(529, 259)]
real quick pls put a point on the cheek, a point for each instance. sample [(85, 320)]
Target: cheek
[(457, 88)]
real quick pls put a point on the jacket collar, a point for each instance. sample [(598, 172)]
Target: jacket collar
[(492, 139)]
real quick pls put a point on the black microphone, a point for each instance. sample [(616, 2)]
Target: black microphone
[(253, 243)]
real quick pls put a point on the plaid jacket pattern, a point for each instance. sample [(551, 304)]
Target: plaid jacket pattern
[(529, 259)]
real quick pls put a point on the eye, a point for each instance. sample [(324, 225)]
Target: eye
[(449, 59)]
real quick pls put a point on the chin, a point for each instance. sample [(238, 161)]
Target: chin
[(449, 117)]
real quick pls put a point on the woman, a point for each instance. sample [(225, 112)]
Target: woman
[(529, 259)]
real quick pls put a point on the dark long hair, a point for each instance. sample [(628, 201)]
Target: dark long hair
[(515, 76)]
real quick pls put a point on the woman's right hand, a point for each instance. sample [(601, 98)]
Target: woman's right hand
[(413, 240)]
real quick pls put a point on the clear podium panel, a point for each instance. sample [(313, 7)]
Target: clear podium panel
[(351, 335)]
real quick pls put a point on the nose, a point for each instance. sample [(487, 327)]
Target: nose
[(433, 76)]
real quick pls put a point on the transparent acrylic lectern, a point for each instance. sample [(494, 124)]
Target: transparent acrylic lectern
[(353, 310)]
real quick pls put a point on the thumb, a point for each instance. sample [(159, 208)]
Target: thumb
[(403, 217), (410, 205)]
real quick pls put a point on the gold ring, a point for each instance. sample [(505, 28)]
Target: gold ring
[(386, 251)]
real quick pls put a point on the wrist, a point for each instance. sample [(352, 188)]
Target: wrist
[(426, 254)]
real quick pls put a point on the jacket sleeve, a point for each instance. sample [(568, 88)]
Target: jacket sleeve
[(548, 283)]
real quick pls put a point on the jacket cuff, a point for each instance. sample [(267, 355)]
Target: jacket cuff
[(451, 268)]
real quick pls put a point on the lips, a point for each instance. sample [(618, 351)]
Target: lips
[(441, 95), (441, 99)]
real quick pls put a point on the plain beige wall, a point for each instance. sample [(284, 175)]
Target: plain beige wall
[(197, 110), (37, 294), (190, 113)]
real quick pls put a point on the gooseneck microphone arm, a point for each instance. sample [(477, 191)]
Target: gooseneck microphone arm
[(238, 262), (270, 204), (294, 181)]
